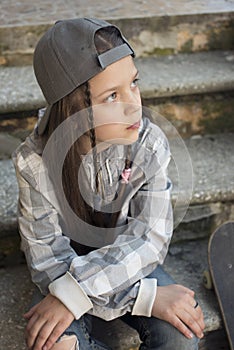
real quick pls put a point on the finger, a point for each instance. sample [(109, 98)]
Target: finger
[(192, 321), (54, 336), (177, 323), (32, 329), (195, 311), (30, 332), (199, 317), (29, 313), (43, 335), (58, 330)]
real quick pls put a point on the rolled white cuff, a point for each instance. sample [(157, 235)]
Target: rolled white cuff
[(70, 293), (145, 298)]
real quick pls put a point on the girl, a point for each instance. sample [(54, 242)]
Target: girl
[(94, 205)]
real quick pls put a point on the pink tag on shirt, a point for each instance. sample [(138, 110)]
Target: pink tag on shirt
[(125, 175)]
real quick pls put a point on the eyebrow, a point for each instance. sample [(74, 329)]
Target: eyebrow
[(114, 87)]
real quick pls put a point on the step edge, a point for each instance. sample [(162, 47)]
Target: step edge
[(35, 99)]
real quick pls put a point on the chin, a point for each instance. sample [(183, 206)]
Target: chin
[(130, 140), (123, 141)]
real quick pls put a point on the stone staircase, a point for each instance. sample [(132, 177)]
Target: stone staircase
[(185, 55)]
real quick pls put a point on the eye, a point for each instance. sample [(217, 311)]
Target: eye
[(135, 82), (111, 97)]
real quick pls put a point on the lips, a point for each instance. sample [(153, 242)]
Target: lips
[(134, 126)]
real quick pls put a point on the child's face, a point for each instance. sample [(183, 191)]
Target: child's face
[(116, 103)]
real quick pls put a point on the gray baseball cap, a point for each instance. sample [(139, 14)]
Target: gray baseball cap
[(66, 57)]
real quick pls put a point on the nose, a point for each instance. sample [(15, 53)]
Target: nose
[(132, 103), (131, 109)]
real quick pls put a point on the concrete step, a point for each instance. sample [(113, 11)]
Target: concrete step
[(211, 170), (153, 28), (185, 262), (194, 91)]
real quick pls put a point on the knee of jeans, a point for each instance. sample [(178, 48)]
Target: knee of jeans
[(161, 335), (183, 343), (179, 342), (67, 342)]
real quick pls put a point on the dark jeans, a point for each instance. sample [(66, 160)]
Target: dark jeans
[(154, 333)]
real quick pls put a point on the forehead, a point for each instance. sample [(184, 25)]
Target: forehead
[(115, 74)]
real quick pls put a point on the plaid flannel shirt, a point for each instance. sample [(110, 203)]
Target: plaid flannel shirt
[(112, 279)]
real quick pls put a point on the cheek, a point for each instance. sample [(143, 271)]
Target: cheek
[(106, 132), (108, 113)]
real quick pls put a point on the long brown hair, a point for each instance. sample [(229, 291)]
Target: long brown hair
[(77, 100)]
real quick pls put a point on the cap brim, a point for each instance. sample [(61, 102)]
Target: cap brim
[(44, 121)]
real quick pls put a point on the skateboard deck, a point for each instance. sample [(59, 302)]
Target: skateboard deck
[(221, 264)]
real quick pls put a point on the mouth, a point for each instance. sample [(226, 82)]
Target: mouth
[(135, 126)]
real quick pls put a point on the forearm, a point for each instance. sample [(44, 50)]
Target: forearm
[(137, 299)]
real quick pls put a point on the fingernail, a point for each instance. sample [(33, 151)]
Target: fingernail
[(190, 334)]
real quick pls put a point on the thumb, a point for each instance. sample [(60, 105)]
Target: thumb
[(29, 313)]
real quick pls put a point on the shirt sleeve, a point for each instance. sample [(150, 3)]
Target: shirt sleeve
[(109, 281)]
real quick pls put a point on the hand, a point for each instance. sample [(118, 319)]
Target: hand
[(175, 304), (46, 322)]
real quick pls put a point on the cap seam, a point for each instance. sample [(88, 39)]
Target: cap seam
[(62, 62)]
